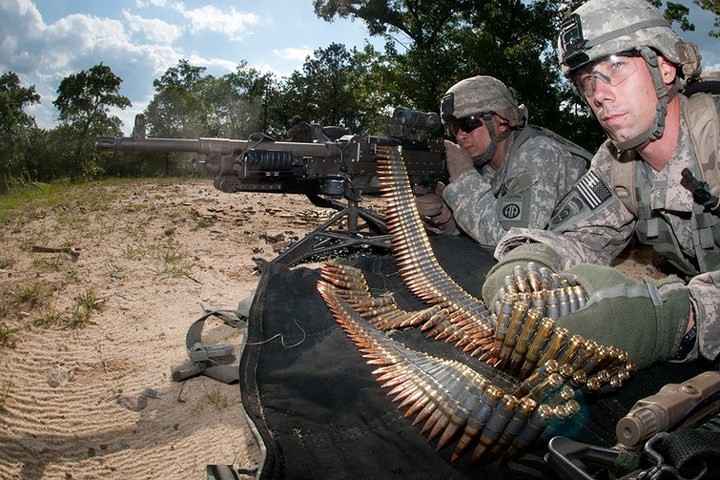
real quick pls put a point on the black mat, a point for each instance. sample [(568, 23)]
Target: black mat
[(321, 413)]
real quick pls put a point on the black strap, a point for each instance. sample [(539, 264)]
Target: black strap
[(694, 453)]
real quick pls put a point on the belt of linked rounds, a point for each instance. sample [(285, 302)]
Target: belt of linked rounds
[(533, 372)]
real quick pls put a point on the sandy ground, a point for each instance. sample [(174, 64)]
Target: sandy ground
[(87, 341), (88, 335)]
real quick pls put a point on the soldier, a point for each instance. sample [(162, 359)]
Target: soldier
[(628, 65), (503, 172)]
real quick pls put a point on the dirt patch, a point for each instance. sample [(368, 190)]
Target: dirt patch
[(91, 323)]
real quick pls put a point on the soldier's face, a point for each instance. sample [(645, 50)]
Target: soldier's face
[(476, 141), (627, 109)]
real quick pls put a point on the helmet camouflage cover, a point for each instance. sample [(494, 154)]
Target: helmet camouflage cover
[(482, 94), (599, 28)]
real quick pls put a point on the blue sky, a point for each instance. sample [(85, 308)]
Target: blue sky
[(43, 41)]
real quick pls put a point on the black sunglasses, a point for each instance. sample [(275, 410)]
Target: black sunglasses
[(466, 124)]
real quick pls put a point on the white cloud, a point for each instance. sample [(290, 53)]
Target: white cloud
[(152, 29), (151, 3), (220, 64), (209, 18), (77, 36), (295, 54)]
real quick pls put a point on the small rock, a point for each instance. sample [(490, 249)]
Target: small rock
[(150, 393), (58, 375), (134, 404)]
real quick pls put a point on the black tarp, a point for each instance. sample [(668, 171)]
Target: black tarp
[(320, 412)]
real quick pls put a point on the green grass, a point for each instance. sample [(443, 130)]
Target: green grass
[(6, 334), (32, 201), (175, 261), (31, 294)]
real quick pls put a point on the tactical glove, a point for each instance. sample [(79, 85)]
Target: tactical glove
[(629, 314), (538, 254), (433, 209), (458, 160)]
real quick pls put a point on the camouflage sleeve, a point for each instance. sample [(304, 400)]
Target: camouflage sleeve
[(530, 185), (590, 225), (471, 199), (705, 296)]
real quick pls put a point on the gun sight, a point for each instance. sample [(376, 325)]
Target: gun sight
[(415, 119)]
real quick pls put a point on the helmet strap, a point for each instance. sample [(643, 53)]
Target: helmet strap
[(664, 96), (483, 159)]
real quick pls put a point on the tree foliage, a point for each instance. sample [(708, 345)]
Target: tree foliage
[(428, 46), (84, 101), (16, 128), (444, 42)]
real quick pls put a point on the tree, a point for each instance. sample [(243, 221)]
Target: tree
[(237, 102), (16, 128), (678, 12), (177, 109), (84, 101), (322, 92), (714, 7), (446, 41)]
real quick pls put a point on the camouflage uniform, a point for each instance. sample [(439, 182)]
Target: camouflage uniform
[(537, 169), (599, 235), (523, 193), (593, 225)]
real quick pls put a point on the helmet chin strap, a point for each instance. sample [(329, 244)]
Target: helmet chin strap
[(664, 96), (482, 159)]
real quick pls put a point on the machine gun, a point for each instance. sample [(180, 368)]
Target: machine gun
[(333, 172)]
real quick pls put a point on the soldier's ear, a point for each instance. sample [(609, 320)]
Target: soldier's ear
[(668, 71), (501, 125)]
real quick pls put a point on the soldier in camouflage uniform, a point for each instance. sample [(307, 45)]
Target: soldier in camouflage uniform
[(503, 173), (628, 65)]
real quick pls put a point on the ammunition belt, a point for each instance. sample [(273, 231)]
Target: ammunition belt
[(518, 340)]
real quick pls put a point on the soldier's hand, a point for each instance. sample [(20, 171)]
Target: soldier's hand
[(458, 160), (433, 209), (630, 314)]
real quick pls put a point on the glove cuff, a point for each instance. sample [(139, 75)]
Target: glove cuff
[(672, 321), (534, 252)]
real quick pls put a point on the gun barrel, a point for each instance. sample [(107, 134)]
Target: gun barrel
[(198, 145), (207, 146)]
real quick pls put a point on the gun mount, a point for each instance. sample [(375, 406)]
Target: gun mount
[(333, 171)]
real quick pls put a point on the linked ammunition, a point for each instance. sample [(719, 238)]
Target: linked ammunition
[(542, 334), (525, 407), (520, 278), (530, 432), (528, 328), (552, 305), (478, 418), (495, 426)]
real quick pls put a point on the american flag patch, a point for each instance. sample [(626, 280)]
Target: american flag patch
[(592, 189)]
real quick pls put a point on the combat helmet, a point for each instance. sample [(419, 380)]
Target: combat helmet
[(483, 96), (600, 28)]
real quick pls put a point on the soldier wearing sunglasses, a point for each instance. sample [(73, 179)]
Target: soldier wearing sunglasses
[(503, 172)]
